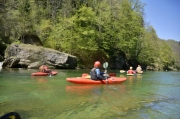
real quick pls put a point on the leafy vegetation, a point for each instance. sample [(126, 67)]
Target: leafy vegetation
[(89, 29), (175, 46)]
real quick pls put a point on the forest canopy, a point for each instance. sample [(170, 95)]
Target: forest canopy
[(89, 29)]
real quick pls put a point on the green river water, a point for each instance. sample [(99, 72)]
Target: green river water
[(152, 95)]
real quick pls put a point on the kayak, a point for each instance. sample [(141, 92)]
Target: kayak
[(43, 74), (139, 73), (11, 115), (130, 74), (122, 71), (112, 74), (88, 76), (83, 80)]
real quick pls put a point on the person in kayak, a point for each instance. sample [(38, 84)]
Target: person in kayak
[(96, 73), (139, 69), (131, 71), (44, 68)]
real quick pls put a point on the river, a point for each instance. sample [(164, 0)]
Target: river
[(152, 95)]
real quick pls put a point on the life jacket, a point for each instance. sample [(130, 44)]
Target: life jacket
[(45, 68), (93, 74)]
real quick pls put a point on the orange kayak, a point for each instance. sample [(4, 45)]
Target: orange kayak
[(88, 76), (43, 74), (83, 80)]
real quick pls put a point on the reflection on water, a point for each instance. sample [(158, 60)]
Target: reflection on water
[(40, 79), (97, 89), (147, 96)]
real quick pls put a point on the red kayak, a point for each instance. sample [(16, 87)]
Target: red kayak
[(43, 74), (88, 76), (83, 80)]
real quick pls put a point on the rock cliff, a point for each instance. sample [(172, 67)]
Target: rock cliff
[(31, 56)]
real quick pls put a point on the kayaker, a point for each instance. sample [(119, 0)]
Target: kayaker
[(96, 73), (131, 71), (139, 69), (44, 68)]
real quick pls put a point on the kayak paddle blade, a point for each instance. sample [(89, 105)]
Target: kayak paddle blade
[(105, 65)]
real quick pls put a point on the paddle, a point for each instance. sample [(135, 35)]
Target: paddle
[(105, 66), (49, 74)]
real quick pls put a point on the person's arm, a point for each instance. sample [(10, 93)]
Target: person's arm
[(99, 74)]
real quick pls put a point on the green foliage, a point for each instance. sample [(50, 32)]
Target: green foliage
[(84, 29), (89, 29), (166, 55), (175, 47), (148, 53), (45, 28)]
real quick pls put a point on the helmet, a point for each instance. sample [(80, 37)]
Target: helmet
[(97, 64)]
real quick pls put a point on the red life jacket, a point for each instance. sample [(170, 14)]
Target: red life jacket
[(130, 71)]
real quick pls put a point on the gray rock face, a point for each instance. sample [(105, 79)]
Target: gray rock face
[(31, 56)]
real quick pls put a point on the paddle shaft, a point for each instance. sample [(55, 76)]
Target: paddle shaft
[(105, 65)]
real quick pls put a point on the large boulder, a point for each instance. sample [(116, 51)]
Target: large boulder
[(31, 56)]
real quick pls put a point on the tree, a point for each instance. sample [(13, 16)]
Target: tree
[(166, 55)]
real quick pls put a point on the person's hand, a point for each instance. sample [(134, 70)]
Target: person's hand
[(105, 71)]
